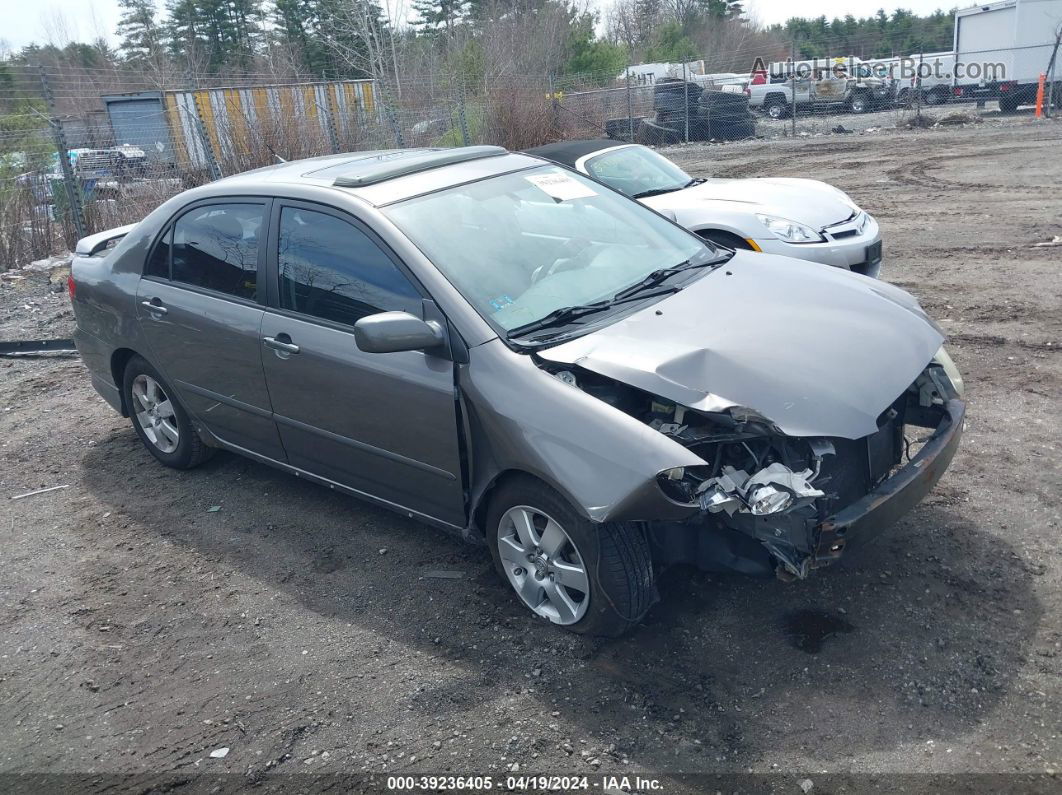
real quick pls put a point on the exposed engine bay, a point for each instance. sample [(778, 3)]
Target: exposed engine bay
[(763, 497)]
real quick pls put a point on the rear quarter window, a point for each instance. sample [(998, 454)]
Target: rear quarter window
[(158, 263)]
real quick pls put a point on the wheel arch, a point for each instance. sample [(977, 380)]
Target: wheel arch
[(119, 359), (731, 235), (483, 495)]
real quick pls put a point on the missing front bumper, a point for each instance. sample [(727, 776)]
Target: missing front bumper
[(757, 545), (896, 495)]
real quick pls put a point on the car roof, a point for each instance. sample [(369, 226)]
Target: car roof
[(567, 153), (384, 176)]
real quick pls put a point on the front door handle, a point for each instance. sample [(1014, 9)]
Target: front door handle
[(281, 346), (155, 306)]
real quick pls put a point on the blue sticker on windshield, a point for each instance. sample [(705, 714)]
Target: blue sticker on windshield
[(501, 302)]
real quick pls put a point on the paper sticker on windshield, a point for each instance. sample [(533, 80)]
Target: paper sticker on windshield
[(561, 186)]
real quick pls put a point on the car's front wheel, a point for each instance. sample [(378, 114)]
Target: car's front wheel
[(159, 420), (586, 577)]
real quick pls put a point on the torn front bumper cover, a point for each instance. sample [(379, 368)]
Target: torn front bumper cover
[(897, 494)]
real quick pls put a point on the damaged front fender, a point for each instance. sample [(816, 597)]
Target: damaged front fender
[(604, 461)]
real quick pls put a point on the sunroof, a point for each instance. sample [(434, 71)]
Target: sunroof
[(370, 171), (350, 164)]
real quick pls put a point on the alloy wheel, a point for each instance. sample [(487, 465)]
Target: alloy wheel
[(155, 413), (543, 565)]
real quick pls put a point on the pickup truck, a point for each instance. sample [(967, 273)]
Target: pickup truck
[(823, 91)]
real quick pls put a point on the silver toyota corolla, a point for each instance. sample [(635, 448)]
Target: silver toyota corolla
[(518, 354)]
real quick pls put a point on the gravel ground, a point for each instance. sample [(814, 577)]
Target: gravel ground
[(150, 617)]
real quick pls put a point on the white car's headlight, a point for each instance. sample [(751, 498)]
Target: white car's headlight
[(790, 231)]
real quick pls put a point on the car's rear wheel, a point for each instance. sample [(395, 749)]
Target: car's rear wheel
[(586, 577), (776, 108), (159, 419)]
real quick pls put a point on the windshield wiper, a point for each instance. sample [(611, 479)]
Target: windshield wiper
[(645, 194), (663, 274), (567, 314), (694, 181)]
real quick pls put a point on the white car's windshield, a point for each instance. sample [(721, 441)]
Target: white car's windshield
[(523, 245), (637, 171)]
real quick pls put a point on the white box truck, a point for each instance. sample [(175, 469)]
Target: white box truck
[(1002, 48)]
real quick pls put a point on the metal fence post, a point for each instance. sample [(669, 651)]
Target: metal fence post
[(630, 108), (918, 92), (554, 106), (333, 128), (685, 104), (462, 118), (792, 86), (70, 184)]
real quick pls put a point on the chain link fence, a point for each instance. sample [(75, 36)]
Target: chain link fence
[(82, 149)]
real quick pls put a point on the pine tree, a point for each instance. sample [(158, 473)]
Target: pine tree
[(218, 33), (140, 32), (440, 16)]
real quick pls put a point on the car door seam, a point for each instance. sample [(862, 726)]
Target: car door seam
[(364, 446)]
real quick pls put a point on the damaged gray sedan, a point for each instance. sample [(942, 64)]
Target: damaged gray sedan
[(517, 354)]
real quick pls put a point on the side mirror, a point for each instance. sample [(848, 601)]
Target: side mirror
[(392, 332)]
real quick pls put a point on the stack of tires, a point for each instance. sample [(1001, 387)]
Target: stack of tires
[(727, 116), (674, 101), (710, 115)]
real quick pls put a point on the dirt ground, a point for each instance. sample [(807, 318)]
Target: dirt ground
[(150, 617)]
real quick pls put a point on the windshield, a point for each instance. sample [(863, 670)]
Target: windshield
[(522, 245), (637, 171)]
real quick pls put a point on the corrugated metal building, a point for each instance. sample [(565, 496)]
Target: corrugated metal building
[(166, 124)]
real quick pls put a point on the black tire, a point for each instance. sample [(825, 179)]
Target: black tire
[(190, 450), (860, 103), (718, 100), (1008, 103), (616, 557), (620, 129), (725, 239), (672, 95), (776, 107), (937, 97), (652, 134)]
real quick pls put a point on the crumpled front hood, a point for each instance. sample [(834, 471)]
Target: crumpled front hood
[(817, 350), (806, 201)]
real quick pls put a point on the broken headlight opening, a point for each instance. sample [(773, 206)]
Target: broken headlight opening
[(762, 499)]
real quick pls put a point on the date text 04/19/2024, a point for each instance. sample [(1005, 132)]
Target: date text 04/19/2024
[(523, 783)]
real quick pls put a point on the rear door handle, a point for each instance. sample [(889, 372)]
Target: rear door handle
[(155, 305), (280, 345)]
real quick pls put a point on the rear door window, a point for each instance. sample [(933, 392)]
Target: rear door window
[(216, 247)]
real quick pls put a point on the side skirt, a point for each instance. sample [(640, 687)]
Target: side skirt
[(464, 533)]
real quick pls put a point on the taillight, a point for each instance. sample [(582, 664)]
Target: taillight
[(71, 286)]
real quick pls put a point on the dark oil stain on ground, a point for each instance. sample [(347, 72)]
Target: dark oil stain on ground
[(808, 629)]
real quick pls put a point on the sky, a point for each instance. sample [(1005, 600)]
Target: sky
[(60, 21)]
